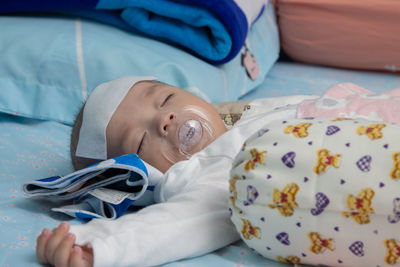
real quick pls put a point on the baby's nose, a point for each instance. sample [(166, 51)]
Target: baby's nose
[(165, 122)]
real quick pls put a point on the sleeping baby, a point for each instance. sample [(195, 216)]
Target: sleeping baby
[(185, 139), (164, 125)]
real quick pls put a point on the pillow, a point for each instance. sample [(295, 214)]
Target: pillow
[(49, 65), (359, 34), (319, 191)]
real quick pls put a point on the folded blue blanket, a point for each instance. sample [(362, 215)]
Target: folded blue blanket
[(103, 190), (212, 30)]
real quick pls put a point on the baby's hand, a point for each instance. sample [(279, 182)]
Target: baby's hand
[(57, 248)]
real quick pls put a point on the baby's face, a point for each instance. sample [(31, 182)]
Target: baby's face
[(147, 122)]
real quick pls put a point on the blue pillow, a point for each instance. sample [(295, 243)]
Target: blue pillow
[(49, 65)]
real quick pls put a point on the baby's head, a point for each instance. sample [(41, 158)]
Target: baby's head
[(161, 123)]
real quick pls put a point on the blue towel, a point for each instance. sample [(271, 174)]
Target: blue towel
[(212, 30), (104, 190)]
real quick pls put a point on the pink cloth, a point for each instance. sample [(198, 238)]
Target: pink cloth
[(347, 100), (357, 34)]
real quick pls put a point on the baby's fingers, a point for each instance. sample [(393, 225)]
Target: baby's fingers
[(41, 243), (78, 259), (63, 251), (54, 241)]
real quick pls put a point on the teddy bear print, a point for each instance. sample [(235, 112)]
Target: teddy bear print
[(360, 206), (289, 259), (249, 231), (233, 191), (256, 157), (320, 244), (395, 173), (285, 200), (373, 131), (324, 160), (299, 130), (392, 251)]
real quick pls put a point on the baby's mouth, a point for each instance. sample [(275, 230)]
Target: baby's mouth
[(189, 135), (190, 132)]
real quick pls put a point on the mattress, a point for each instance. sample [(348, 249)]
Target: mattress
[(31, 149)]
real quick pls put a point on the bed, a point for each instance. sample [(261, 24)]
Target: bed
[(31, 148), (35, 125)]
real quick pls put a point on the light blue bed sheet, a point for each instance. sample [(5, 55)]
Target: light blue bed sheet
[(32, 149), (289, 78)]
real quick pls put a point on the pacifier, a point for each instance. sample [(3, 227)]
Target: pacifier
[(191, 131)]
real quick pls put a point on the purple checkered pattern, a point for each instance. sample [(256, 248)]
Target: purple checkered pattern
[(364, 163), (357, 248), (322, 201)]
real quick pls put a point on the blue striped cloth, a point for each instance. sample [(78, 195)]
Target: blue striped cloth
[(104, 190)]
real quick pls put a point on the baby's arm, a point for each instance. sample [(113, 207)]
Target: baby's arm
[(189, 224), (57, 248)]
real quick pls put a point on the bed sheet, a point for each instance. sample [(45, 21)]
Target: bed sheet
[(31, 149), (289, 78)]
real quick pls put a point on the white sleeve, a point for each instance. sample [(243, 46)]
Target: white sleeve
[(192, 222)]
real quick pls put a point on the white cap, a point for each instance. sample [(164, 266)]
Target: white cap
[(99, 108)]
